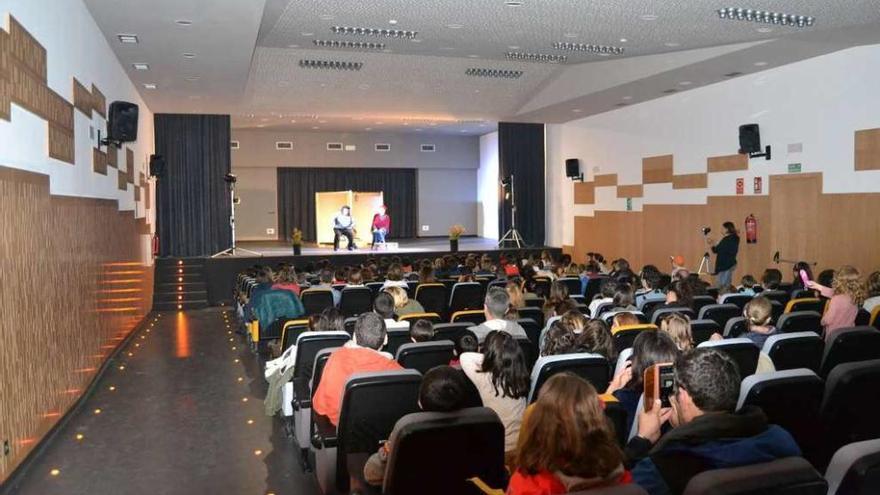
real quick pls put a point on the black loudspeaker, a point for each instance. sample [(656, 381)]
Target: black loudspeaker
[(157, 166), (122, 124), (572, 168), (749, 139)]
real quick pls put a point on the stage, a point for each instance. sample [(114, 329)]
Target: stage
[(414, 248)]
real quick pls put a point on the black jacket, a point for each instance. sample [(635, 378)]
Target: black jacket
[(726, 249)]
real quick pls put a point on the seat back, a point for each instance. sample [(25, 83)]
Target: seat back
[(735, 327), (630, 489), (470, 443), (396, 338), (371, 404), (849, 385), (573, 284), (432, 297), (790, 399), (790, 351), (739, 299), (349, 323), (594, 285), (741, 350), (701, 302), (608, 316), (474, 316), (779, 296), (602, 309), (623, 358), (529, 350), (625, 336), (375, 287), (591, 367), (356, 300), (535, 314), (648, 306), (309, 344), (855, 469), (851, 345), (465, 296), (863, 318), (788, 476), (800, 321), (316, 300), (423, 356), (776, 311), (659, 313), (413, 317), (805, 304), (291, 331), (720, 313), (702, 330), (531, 328), (542, 287), (450, 331), (320, 362), (875, 317)]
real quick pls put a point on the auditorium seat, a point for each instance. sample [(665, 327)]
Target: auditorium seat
[(855, 469), (806, 304), (573, 284), (466, 296), (780, 296), (702, 301), (534, 314), (396, 338), (741, 350), (536, 303), (583, 309), (720, 313), (411, 286), (422, 356), (702, 330), (795, 350), (450, 331), (542, 287), (800, 321), (617, 416), (432, 297), (788, 476), (625, 336), (291, 332), (532, 329), (468, 444), (594, 286), (850, 404), (623, 358), (776, 311), (501, 284), (659, 313), (863, 318), (578, 299), (591, 367), (802, 294), (648, 306), (349, 323), (474, 316), (790, 399), (851, 345), (529, 350), (414, 317), (371, 404), (601, 309), (608, 317), (735, 327), (739, 299), (629, 489), (306, 417), (356, 300), (375, 287), (875, 317)]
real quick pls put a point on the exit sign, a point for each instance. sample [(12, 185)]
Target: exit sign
[(794, 168)]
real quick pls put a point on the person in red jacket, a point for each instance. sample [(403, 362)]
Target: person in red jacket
[(359, 355), (381, 226), (565, 443)]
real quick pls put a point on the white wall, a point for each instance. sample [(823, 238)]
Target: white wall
[(75, 47), (817, 103), (487, 187)]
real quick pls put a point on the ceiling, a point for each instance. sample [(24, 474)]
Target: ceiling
[(246, 56)]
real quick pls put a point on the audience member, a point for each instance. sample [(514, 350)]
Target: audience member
[(680, 295), (651, 289), (623, 299), (846, 296), (558, 301), (559, 339), (758, 313), (596, 338), (797, 283), (606, 295), (495, 306), (771, 279), (515, 292), (287, 280), (872, 292), (421, 331), (383, 305), (403, 305), (355, 279), (466, 342), (394, 277), (325, 281), (747, 285), (678, 327)]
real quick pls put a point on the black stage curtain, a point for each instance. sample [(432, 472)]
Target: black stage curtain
[(192, 198), (297, 188), (521, 153)]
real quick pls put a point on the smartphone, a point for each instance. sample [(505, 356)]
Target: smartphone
[(804, 278), (659, 380)]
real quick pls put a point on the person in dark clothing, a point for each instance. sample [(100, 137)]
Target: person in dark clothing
[(725, 250), (708, 433), (343, 226)]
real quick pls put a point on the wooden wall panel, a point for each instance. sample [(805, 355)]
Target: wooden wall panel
[(657, 169), (99, 161), (584, 193), (795, 205), (129, 165), (5, 75), (605, 180), (867, 149), (727, 163), (63, 312), (630, 191), (112, 156), (690, 181), (121, 180)]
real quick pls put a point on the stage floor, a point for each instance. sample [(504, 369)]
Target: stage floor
[(405, 246)]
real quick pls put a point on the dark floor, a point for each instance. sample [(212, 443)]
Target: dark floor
[(183, 414)]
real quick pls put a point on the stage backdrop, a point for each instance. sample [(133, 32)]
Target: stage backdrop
[(297, 188), (521, 153)]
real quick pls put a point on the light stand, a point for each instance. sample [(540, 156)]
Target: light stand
[(512, 235), (230, 180), (705, 266)]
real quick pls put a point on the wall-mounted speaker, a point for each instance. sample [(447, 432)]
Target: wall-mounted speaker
[(122, 123), (573, 169), (750, 141), (157, 166)]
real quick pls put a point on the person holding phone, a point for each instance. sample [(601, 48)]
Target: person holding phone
[(725, 254)]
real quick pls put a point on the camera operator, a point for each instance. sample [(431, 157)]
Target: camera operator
[(725, 250)]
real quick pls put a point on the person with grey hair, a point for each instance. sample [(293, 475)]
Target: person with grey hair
[(495, 306)]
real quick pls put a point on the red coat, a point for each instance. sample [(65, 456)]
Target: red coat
[(546, 483), (380, 222)]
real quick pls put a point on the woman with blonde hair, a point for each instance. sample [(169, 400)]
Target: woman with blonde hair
[(847, 293), (678, 327), (565, 443), (403, 305)]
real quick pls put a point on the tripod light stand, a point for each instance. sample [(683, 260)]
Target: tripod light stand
[(512, 235), (230, 182)]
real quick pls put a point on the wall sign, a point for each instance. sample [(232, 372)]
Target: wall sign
[(629, 204), (794, 168), (759, 183), (740, 185)]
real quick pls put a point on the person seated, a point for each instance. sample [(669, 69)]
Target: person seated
[(403, 305), (355, 279), (826, 278), (559, 339), (651, 289), (466, 342), (394, 277), (623, 299), (623, 319), (421, 331), (444, 390), (325, 281), (649, 348), (606, 295), (514, 289), (758, 313), (495, 306), (797, 283), (846, 297), (872, 292), (566, 444), (359, 355), (596, 339), (287, 280), (383, 305), (558, 301), (502, 379), (771, 279), (678, 327), (680, 295), (707, 431), (747, 285), (343, 226), (679, 271), (380, 227)]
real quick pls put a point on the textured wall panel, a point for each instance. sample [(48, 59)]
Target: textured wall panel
[(99, 161), (584, 193), (690, 181), (630, 191), (129, 165), (867, 153), (73, 288), (727, 163), (657, 169), (605, 180)]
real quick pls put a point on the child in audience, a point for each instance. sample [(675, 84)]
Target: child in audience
[(624, 299), (502, 379), (623, 319), (725, 290), (403, 305), (466, 342), (797, 283), (758, 313), (680, 295), (596, 338), (606, 295), (575, 321), (679, 272), (678, 327), (383, 305), (558, 340), (847, 294), (558, 301), (566, 444), (872, 292), (651, 287), (421, 331), (747, 285), (771, 279), (287, 280)]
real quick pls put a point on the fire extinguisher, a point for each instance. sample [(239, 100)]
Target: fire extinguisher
[(751, 229), (155, 245)]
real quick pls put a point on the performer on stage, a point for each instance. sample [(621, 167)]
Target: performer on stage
[(343, 225), (381, 226)]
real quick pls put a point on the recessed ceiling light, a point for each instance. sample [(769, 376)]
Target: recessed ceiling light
[(447, 48), (322, 121), (292, 121), (379, 123), (189, 55), (183, 22), (672, 44), (307, 34), (473, 56), (764, 30), (314, 127), (763, 16), (293, 46), (127, 38), (454, 26), (463, 130), (685, 83), (733, 74), (513, 3), (418, 129), (648, 17), (149, 86), (406, 123), (416, 40), (192, 78), (623, 40), (364, 86), (670, 91), (760, 64), (261, 125), (627, 98), (393, 22), (141, 66), (513, 47)]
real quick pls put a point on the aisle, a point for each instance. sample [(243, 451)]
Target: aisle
[(179, 412)]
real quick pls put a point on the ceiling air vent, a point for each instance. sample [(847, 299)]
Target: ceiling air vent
[(284, 145), (428, 148), (383, 147), (334, 146), (233, 145)]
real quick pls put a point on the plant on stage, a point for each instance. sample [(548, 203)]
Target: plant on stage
[(455, 231), (296, 237)]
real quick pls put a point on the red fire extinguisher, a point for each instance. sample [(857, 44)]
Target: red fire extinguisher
[(155, 244), (751, 229)]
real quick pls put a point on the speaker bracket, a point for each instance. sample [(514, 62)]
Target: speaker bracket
[(766, 154), (106, 142), (577, 178)]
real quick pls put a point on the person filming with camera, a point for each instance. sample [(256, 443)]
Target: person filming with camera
[(725, 253)]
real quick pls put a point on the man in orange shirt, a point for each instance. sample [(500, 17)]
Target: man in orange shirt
[(359, 355)]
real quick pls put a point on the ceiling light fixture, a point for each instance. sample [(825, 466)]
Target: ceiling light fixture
[(139, 66), (330, 64), (760, 64), (499, 73), (189, 55), (127, 38), (648, 17), (183, 22), (387, 33), (149, 86), (354, 45), (537, 57), (685, 83), (623, 40), (513, 3), (393, 22), (763, 16), (192, 78), (454, 26), (585, 47), (672, 44)]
